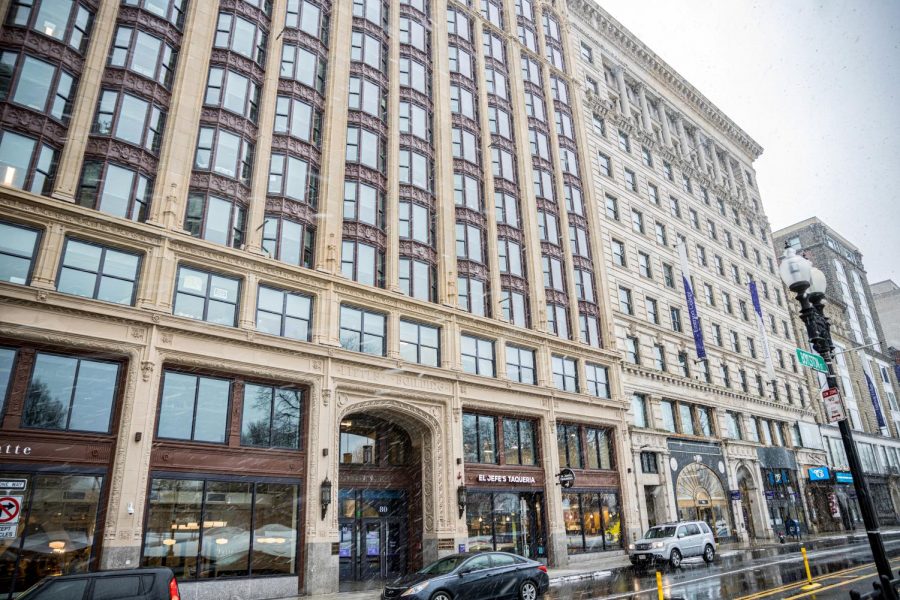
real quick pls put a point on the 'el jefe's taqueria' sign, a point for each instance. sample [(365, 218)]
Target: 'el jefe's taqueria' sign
[(482, 478)]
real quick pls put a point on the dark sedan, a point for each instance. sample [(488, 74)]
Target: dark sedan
[(127, 584), (467, 576)]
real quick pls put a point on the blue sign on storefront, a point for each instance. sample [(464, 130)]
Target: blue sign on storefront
[(819, 474), (843, 477)]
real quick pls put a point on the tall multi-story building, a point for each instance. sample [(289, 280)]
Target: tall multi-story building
[(887, 304), (864, 372), (280, 313), (724, 439)]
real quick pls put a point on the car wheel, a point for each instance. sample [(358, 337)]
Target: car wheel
[(441, 596), (675, 558), (709, 553), (528, 591)]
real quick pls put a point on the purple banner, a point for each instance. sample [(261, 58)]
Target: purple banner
[(761, 326), (874, 395), (691, 304)]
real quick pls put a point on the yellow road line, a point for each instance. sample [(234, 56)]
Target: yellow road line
[(829, 587), (801, 583)]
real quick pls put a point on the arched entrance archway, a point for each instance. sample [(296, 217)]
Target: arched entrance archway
[(384, 503), (700, 497), (747, 487)]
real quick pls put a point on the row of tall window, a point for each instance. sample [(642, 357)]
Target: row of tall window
[(112, 274), (505, 440), (686, 418)]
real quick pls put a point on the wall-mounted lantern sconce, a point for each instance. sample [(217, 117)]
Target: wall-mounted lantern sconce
[(461, 493), (325, 497)]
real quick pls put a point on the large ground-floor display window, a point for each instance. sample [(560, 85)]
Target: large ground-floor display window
[(48, 526), (701, 497), (593, 521), (506, 521), (228, 527)]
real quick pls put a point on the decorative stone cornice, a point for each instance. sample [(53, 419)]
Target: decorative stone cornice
[(629, 44)]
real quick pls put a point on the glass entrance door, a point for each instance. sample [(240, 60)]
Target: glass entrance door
[(373, 535)]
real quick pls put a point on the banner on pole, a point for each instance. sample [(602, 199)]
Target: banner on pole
[(691, 304)]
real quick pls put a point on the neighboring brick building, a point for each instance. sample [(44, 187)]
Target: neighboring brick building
[(861, 358)]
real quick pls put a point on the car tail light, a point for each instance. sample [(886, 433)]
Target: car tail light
[(542, 568), (173, 590)]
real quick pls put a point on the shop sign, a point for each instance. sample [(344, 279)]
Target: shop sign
[(819, 474), (566, 478), (770, 495), (843, 477), (735, 494), (17, 449), (482, 478)]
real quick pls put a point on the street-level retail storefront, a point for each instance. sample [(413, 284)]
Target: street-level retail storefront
[(224, 494), (782, 490), (57, 440), (504, 486), (880, 488), (592, 505), (822, 499), (698, 469)]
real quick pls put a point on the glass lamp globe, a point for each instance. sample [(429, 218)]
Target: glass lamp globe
[(817, 282), (795, 270)]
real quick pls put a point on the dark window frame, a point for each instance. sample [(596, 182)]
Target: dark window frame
[(283, 314), (99, 274), (34, 252)]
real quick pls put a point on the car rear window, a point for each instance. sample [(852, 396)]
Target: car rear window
[(692, 529), (704, 528), (116, 588)]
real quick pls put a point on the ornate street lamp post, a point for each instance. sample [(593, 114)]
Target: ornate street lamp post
[(808, 284)]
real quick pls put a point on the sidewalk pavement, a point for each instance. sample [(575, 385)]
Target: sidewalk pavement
[(605, 566)]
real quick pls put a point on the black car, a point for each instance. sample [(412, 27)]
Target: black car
[(468, 576), (130, 584)]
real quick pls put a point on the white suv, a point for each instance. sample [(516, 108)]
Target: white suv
[(672, 542)]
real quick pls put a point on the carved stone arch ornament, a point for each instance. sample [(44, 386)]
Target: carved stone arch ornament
[(416, 421)]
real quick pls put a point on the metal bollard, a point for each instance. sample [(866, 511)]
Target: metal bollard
[(659, 586), (809, 585)]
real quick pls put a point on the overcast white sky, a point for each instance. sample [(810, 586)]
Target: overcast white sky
[(817, 84)]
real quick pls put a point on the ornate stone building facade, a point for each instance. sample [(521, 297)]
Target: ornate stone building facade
[(724, 439), (279, 312), (865, 371)]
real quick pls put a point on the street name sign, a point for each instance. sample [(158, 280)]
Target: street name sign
[(834, 408), (813, 361)]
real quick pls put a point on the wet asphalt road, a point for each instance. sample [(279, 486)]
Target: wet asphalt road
[(766, 574)]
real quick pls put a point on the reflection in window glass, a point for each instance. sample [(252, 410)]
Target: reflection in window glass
[(115, 190), (230, 547), (69, 393), (25, 164), (98, 272), (18, 246), (206, 296), (479, 438), (362, 331), (283, 313), (193, 407), (58, 531), (271, 417)]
